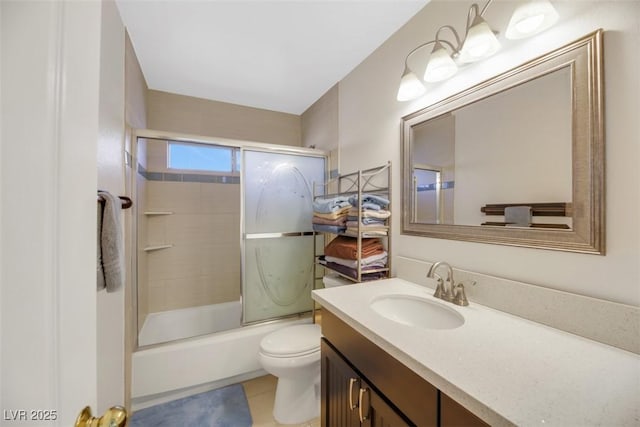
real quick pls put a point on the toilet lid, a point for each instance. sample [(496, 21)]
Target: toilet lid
[(292, 341)]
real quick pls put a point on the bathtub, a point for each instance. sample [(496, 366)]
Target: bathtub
[(173, 325), (208, 359)]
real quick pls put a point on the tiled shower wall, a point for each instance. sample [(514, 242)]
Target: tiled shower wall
[(203, 265)]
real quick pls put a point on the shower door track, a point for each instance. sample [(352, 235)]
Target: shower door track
[(277, 235)]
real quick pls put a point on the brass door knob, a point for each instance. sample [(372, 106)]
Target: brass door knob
[(113, 417)]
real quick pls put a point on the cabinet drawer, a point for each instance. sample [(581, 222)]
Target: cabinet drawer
[(411, 394)]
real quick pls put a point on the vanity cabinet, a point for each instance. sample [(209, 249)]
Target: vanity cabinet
[(452, 414), (348, 400), (358, 376)]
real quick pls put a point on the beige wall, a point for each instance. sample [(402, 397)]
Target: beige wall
[(111, 177), (196, 116), (369, 134), (135, 89), (136, 118), (320, 122), (320, 127)]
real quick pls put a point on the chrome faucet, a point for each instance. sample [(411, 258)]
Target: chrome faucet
[(442, 290), (452, 293)]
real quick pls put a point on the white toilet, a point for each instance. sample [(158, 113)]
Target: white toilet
[(293, 355)]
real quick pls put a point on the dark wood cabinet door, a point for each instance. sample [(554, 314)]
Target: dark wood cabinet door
[(414, 397), (452, 414), (376, 412), (340, 388), (347, 399), (399, 397)]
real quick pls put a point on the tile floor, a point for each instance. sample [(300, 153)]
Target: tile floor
[(260, 393)]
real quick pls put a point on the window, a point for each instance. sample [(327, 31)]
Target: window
[(202, 157)]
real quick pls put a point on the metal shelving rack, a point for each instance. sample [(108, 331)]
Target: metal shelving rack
[(369, 181)]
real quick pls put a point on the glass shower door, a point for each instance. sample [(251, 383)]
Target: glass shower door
[(277, 258)]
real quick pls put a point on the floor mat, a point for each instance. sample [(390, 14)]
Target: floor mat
[(223, 407)]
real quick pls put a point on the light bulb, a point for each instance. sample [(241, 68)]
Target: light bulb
[(528, 25), (440, 66), (410, 86), (480, 42), (531, 18)]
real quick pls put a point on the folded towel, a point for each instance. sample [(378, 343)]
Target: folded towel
[(366, 233), (366, 221), (341, 221), (330, 205), (381, 202), (353, 273), (378, 261), (324, 228), (370, 226), (333, 215), (347, 248), (110, 261), (366, 213), (369, 206)]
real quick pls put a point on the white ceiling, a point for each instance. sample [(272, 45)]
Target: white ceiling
[(276, 55)]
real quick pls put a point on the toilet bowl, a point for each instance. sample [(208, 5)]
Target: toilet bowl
[(293, 355)]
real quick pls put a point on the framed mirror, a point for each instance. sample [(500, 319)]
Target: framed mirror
[(515, 160)]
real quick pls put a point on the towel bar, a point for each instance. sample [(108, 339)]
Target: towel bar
[(126, 202)]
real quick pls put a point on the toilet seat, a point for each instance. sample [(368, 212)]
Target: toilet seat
[(292, 341)]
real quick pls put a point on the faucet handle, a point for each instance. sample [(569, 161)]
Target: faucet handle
[(460, 297), (449, 292), (439, 293)]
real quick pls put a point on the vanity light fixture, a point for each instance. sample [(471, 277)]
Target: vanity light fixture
[(440, 66), (531, 18), (479, 42), (410, 86)]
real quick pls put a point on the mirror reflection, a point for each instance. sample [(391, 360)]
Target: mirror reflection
[(513, 147)]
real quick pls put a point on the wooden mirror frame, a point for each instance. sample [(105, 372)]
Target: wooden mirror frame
[(587, 234)]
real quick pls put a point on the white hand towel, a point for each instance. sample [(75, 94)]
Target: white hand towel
[(110, 266)]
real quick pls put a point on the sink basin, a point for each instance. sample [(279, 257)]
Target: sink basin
[(418, 312)]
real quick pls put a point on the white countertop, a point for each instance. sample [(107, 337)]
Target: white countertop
[(505, 369)]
